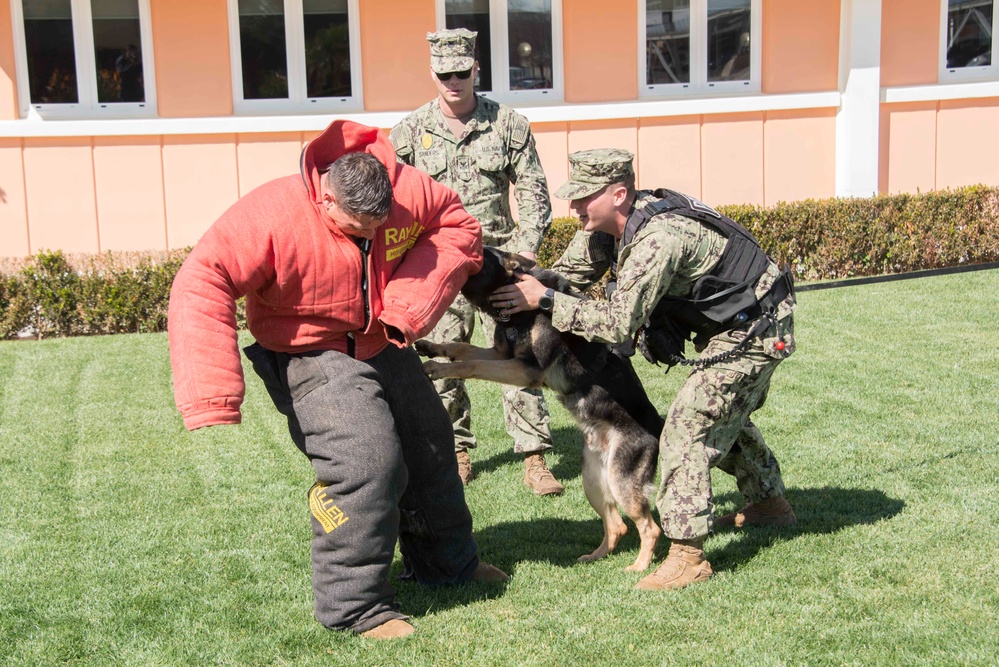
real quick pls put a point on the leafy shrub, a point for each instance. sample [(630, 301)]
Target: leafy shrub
[(557, 240), (52, 288), (128, 299), (15, 307), (52, 294), (844, 238)]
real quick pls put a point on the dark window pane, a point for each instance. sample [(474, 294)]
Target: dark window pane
[(530, 29), (48, 37), (118, 51), (969, 33), (729, 27), (667, 41), (327, 48), (263, 52), (474, 15)]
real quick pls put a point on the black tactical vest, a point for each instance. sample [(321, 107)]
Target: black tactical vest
[(726, 297)]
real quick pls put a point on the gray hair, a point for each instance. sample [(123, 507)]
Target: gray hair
[(360, 183)]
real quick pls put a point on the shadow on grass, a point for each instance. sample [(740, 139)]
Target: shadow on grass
[(568, 443), (821, 510), (560, 542)]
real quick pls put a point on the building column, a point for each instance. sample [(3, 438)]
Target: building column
[(857, 121)]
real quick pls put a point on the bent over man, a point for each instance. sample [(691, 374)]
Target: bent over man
[(480, 148), (682, 269), (343, 266)]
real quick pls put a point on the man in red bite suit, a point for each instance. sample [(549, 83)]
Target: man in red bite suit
[(342, 267)]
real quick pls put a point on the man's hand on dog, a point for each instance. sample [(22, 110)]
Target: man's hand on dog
[(519, 297)]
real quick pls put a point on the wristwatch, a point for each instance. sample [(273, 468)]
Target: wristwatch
[(547, 300)]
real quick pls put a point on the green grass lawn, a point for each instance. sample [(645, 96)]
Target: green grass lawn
[(125, 540)]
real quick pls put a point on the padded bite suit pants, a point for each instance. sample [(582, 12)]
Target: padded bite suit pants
[(382, 448)]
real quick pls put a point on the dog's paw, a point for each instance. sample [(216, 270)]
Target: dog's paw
[(435, 370), (426, 348), (589, 558)]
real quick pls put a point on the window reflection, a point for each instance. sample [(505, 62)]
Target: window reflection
[(327, 48), (118, 51), (474, 15), (263, 51), (969, 33), (729, 27), (530, 31), (667, 39), (48, 36)]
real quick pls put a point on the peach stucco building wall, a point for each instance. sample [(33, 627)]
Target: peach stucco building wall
[(670, 155), (908, 147), (63, 211), (13, 207), (800, 45), (8, 80), (967, 143), (191, 47), (599, 49), (910, 31), (128, 182), (395, 55)]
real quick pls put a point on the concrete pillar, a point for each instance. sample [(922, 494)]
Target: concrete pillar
[(857, 121)]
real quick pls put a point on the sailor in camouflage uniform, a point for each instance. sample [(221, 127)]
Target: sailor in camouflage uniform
[(662, 260), (479, 148)]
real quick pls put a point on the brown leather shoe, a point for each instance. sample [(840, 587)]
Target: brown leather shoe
[(772, 512), (465, 467), (684, 565), (539, 477), (487, 572), (390, 630)]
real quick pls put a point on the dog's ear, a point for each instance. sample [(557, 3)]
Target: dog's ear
[(515, 263)]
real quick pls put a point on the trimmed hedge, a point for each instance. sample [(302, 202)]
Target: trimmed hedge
[(845, 238), (51, 294)]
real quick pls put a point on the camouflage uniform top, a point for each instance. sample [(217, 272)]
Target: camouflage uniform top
[(665, 259), (496, 149)]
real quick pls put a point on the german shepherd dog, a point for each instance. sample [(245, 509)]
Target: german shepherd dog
[(598, 386)]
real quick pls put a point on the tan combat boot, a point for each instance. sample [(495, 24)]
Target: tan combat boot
[(390, 630), (684, 565), (539, 477), (772, 512), (465, 467)]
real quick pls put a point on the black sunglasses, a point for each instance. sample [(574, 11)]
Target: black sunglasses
[(446, 76)]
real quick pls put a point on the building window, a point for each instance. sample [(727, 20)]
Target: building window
[(699, 46), (295, 55), (519, 46), (967, 39), (83, 57)]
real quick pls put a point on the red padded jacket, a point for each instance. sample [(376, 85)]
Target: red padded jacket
[(302, 277)]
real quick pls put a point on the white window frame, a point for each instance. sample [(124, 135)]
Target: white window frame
[(294, 35), (699, 84), (500, 55), (954, 74), (87, 105)]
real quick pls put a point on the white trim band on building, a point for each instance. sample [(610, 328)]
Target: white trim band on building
[(117, 127)]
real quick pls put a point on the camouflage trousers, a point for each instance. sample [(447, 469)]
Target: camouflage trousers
[(709, 426), (525, 412)]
